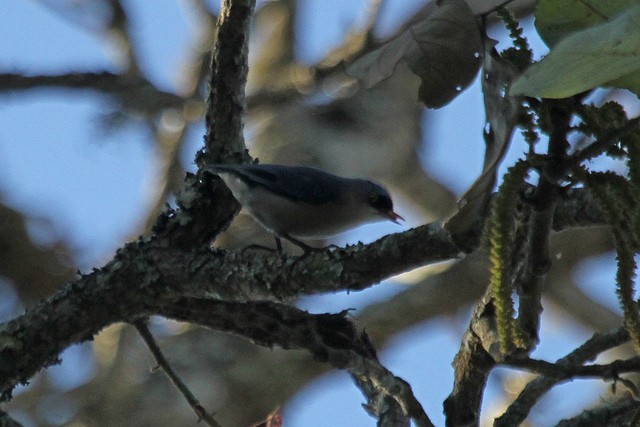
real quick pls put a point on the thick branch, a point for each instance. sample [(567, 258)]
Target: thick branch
[(145, 273), (472, 364), (538, 260), (158, 270), (213, 207), (331, 338), (229, 69)]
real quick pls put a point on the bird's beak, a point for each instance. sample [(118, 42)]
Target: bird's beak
[(393, 216)]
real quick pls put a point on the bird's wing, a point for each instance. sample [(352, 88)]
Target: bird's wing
[(297, 183)]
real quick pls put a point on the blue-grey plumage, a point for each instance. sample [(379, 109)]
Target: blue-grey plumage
[(301, 202)]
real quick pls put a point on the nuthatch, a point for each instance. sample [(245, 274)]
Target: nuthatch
[(296, 202)]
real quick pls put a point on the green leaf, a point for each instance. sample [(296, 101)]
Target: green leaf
[(630, 81), (604, 55), (556, 19)]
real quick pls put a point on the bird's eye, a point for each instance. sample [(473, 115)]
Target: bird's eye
[(380, 201)]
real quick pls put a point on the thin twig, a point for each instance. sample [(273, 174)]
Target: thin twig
[(162, 362), (563, 372), (519, 409)]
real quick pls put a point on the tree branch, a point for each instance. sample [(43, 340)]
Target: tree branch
[(562, 372), (157, 270), (520, 408), (148, 272), (211, 208), (472, 364), (162, 362), (134, 92), (619, 414), (538, 260), (331, 338), (229, 69)]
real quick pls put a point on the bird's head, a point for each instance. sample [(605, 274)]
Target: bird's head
[(380, 200)]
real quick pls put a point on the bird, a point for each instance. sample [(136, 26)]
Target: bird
[(298, 202)]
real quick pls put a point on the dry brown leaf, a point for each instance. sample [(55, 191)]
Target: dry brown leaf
[(442, 49), (502, 113)]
